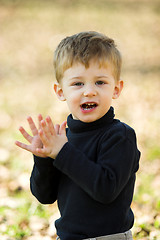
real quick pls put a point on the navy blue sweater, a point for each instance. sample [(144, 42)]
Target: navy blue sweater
[(92, 178)]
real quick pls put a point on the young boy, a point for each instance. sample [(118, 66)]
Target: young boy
[(90, 167)]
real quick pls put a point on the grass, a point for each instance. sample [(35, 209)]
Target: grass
[(30, 31)]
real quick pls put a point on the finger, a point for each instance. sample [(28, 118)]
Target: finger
[(48, 128), (50, 125), (32, 126), (23, 146), (57, 127), (40, 118), (25, 134), (63, 128), (43, 137), (44, 127)]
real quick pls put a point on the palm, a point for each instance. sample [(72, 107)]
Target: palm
[(35, 141)]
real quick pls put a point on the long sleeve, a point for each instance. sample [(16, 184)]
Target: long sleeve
[(44, 180), (103, 179), (92, 178)]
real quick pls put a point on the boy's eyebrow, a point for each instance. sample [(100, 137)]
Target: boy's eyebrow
[(80, 77), (102, 76), (76, 77)]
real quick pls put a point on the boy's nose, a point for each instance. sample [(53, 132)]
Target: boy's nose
[(90, 92)]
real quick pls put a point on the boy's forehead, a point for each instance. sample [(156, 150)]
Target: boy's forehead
[(78, 70)]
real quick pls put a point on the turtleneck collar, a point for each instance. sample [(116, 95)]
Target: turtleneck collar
[(76, 126)]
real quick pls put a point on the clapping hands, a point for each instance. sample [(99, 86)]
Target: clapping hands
[(47, 139)]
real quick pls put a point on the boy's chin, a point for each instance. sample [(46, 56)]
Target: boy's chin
[(86, 119)]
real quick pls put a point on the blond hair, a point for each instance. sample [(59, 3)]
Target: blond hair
[(82, 48)]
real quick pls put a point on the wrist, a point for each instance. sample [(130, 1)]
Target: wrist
[(55, 154)]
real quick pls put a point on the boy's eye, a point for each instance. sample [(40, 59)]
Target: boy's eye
[(100, 82), (78, 84)]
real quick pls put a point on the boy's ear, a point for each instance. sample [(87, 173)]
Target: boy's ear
[(118, 88), (59, 91)]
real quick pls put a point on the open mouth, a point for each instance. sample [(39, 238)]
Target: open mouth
[(88, 106)]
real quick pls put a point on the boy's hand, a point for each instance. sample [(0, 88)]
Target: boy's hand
[(35, 141), (52, 137)]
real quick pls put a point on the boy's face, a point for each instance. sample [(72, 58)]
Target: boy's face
[(88, 92)]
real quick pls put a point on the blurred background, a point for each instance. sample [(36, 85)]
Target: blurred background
[(29, 32)]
